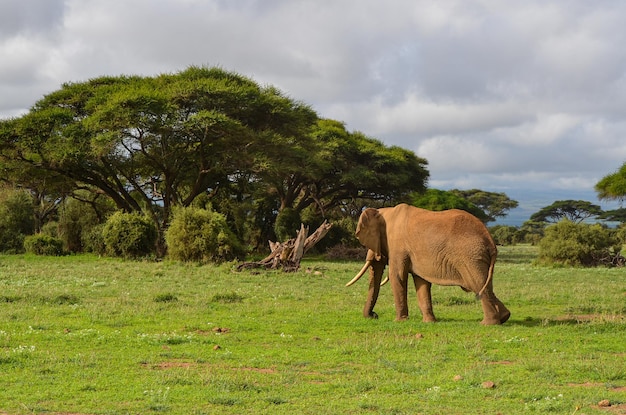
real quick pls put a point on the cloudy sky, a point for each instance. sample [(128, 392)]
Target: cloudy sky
[(522, 97)]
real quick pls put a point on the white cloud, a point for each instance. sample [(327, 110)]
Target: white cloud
[(494, 95), (422, 117), (544, 131)]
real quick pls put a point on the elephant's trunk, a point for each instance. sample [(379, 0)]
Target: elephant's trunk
[(360, 274), (376, 274)]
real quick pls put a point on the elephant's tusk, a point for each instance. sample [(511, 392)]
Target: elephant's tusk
[(360, 274), (385, 281)]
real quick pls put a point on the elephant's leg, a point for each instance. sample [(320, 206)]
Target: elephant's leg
[(376, 273), (494, 311), (422, 287), (399, 280)]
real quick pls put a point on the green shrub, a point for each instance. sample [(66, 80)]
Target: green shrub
[(578, 244), (42, 244), (129, 235), (346, 253), (51, 228), (341, 233), (17, 219), (201, 235), (93, 240), (77, 218), (504, 235), (620, 233), (531, 232), (287, 224)]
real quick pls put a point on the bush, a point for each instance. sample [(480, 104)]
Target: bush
[(77, 219), (17, 219), (129, 235), (579, 244), (346, 253), (93, 240), (531, 232), (51, 228), (72, 214), (504, 235), (341, 234), (42, 244), (620, 233), (201, 235), (287, 224)]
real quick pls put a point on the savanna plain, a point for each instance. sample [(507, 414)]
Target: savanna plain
[(88, 335)]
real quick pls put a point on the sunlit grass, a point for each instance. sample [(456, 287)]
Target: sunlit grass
[(82, 334)]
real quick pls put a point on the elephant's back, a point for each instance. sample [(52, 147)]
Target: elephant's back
[(454, 229), (444, 228)]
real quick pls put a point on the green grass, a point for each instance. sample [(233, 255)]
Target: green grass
[(86, 335)]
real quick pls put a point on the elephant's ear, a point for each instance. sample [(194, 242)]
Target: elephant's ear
[(370, 231)]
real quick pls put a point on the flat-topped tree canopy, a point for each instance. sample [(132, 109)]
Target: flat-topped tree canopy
[(156, 142)]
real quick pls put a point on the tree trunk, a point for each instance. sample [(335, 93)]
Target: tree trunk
[(287, 255)]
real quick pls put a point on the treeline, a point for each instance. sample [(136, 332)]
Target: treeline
[(204, 138), (571, 232), (209, 165)]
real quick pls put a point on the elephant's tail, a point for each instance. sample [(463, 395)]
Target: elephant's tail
[(492, 265)]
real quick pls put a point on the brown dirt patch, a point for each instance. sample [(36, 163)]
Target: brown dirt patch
[(172, 364), (605, 405), (618, 409), (501, 362), (175, 364), (597, 385), (586, 318), (579, 317), (586, 385), (257, 369)]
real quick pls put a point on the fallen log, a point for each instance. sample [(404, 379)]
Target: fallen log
[(287, 255)]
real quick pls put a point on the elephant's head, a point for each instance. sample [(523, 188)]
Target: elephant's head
[(371, 232)]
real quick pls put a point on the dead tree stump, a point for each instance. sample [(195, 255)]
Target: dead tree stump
[(287, 255)]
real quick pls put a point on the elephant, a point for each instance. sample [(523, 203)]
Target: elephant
[(450, 247)]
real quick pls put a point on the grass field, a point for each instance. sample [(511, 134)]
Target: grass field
[(88, 335)]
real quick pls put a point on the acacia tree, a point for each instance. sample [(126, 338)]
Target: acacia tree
[(321, 172), (156, 142), (152, 143), (574, 210), (494, 205), (47, 189), (437, 200), (616, 215), (613, 186), (332, 165)]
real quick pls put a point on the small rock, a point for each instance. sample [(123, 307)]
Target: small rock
[(457, 378), (419, 336), (488, 385), (217, 347), (604, 403)]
